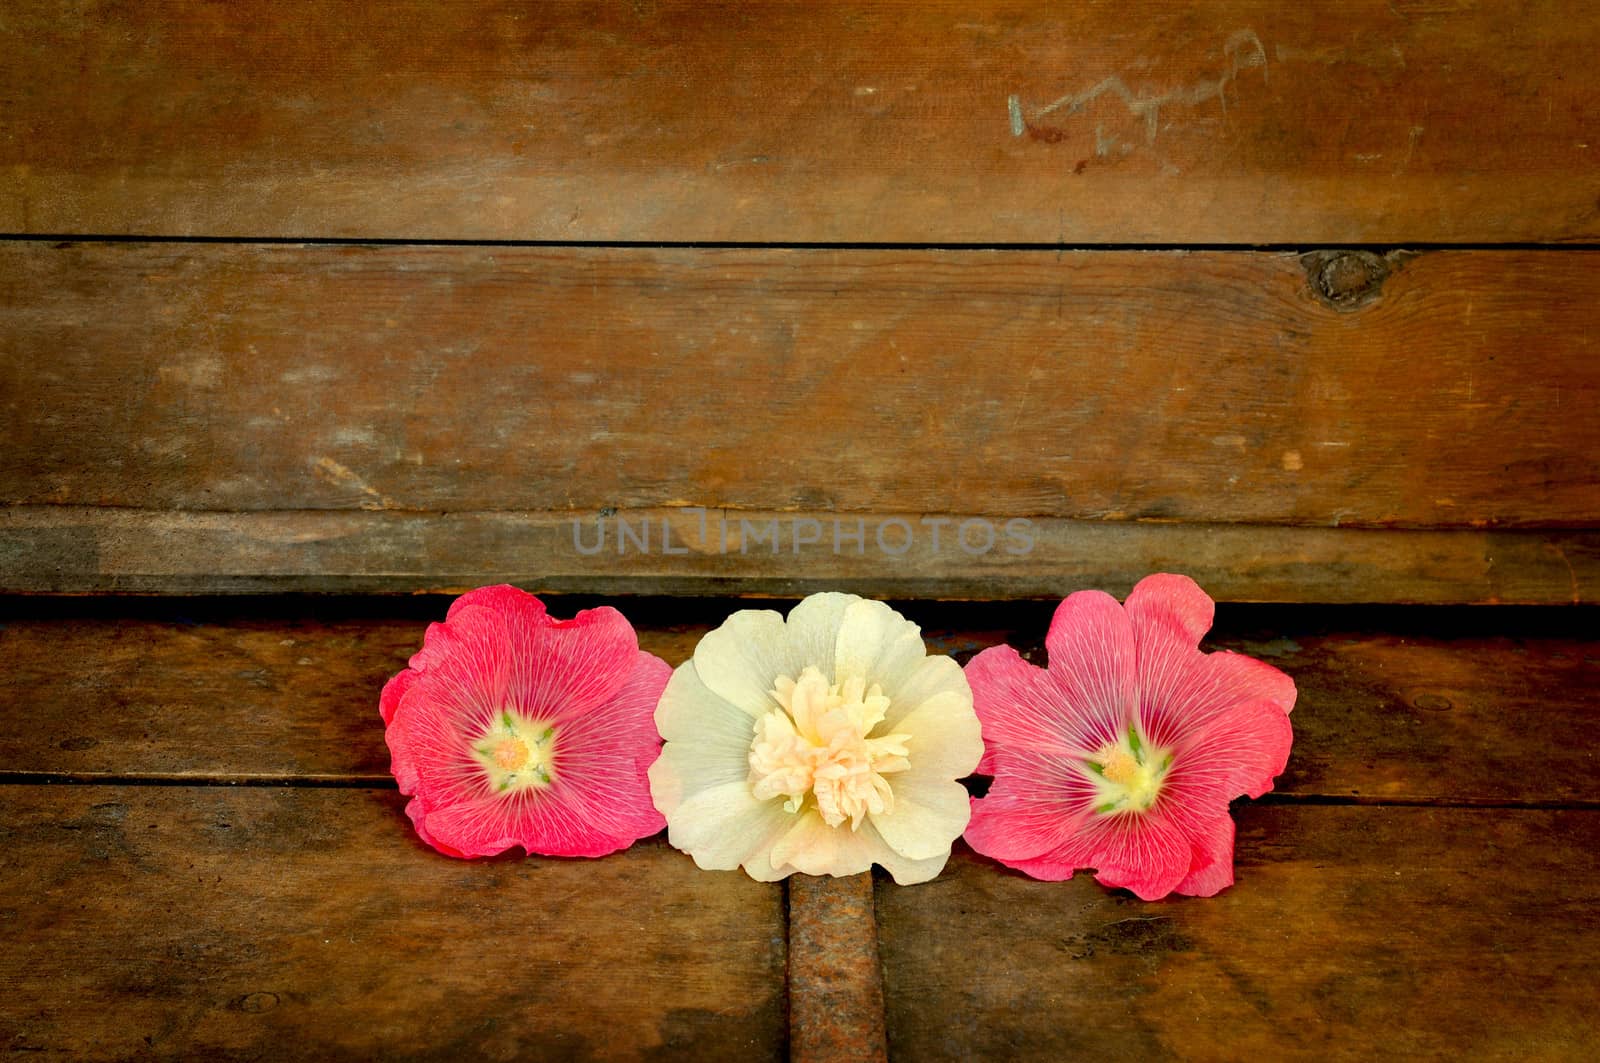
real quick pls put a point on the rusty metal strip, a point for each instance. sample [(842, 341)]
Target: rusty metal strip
[(835, 981)]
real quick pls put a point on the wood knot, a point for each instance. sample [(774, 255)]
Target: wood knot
[(1346, 280)]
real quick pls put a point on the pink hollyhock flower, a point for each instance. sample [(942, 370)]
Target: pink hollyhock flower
[(511, 728), (1123, 754)]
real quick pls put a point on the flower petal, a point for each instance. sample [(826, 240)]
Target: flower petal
[(724, 826), (1211, 867), (1238, 751), (811, 847), (877, 644), (1173, 601), (945, 740), (601, 756), (1035, 805), (928, 815), (1019, 707), (393, 691), (739, 660), (708, 741), (503, 599), (932, 677), (1180, 687), (1146, 854), (813, 627), (1091, 651)]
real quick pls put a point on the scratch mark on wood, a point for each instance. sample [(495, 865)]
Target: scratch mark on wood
[(1243, 51), (333, 472)]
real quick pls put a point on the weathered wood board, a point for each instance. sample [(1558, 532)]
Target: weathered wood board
[(1350, 933), (50, 549), (1160, 386), (280, 923), (1003, 121), (448, 413)]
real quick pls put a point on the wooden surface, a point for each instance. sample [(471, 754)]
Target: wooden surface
[(75, 550), (221, 866), (1352, 933), (1233, 121), (196, 418), (274, 923), (1091, 385)]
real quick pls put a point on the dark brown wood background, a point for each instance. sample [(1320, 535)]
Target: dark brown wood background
[(1339, 351)]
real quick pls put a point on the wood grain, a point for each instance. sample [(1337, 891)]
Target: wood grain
[(1108, 386), (1444, 709), (75, 550), (273, 924), (1228, 121), (1351, 933)]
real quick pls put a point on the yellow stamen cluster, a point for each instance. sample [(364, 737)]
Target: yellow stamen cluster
[(516, 753), (1127, 774)]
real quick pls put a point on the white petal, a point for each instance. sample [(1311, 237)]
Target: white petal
[(928, 816), (740, 659), (690, 711), (932, 677), (685, 769), (812, 847), (846, 852), (908, 872), (723, 826), (878, 644), (946, 739), (814, 631)]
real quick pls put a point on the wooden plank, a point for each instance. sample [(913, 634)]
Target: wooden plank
[(999, 121), (1439, 707), (75, 550), (1094, 385), (1352, 933), (273, 924)]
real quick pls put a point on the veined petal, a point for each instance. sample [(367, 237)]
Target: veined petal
[(1238, 751), (1035, 805), (1091, 660), (503, 599), (1181, 688), (393, 691), (928, 815), (1176, 602), (1019, 707), (1211, 867), (1144, 854)]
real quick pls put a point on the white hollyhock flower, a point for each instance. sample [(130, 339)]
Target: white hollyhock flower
[(822, 744)]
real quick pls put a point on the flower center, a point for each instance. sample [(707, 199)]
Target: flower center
[(816, 743), (1128, 774), (516, 753)]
